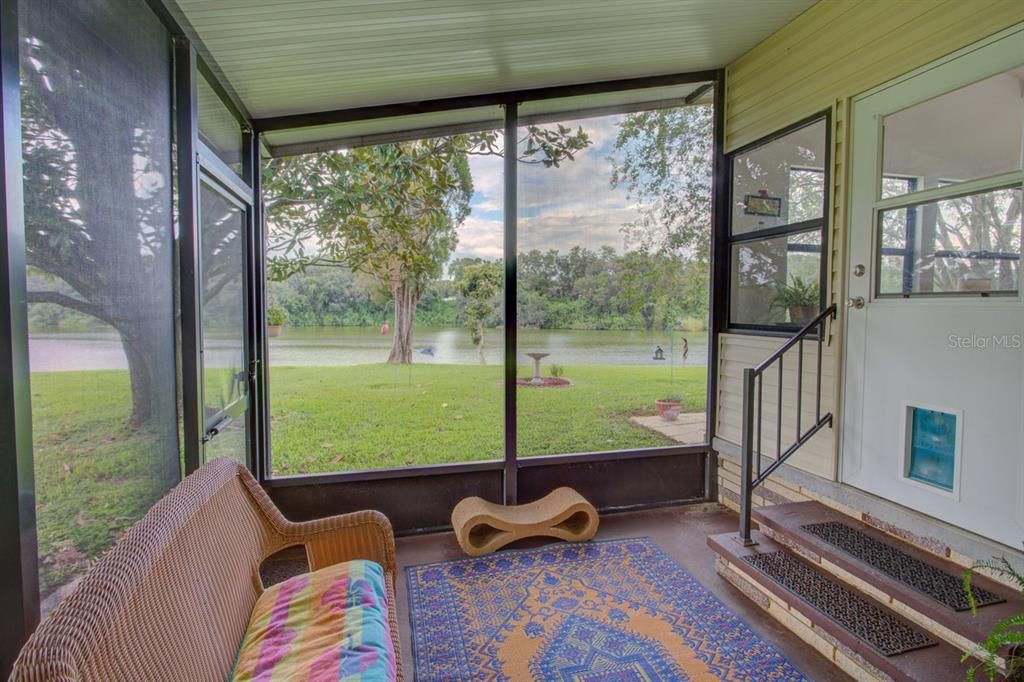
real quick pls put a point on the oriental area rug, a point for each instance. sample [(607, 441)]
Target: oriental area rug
[(614, 611)]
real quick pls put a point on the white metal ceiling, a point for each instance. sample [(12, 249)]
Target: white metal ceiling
[(298, 56)]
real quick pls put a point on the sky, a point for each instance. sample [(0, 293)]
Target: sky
[(558, 207)]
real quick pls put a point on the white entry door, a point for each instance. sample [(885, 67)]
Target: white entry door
[(934, 375)]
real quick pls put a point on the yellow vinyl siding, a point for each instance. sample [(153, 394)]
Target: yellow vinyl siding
[(819, 61), (839, 48), (739, 351)]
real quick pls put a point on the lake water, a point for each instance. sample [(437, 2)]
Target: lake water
[(319, 346)]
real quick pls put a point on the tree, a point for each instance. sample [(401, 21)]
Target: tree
[(97, 193), (664, 162), (392, 211), (480, 286)]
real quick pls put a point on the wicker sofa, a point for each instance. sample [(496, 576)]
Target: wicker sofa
[(172, 600)]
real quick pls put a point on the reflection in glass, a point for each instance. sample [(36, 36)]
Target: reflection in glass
[(969, 133), (222, 226), (96, 97), (613, 284), (775, 281), (780, 182), (969, 244), (387, 274)]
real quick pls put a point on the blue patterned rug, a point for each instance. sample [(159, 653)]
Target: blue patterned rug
[(616, 611)]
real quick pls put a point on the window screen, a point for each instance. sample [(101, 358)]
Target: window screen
[(96, 94)]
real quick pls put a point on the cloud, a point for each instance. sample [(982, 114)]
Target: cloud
[(481, 238), (559, 208), (488, 183)]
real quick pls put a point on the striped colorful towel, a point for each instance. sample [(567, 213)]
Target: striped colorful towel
[(327, 625)]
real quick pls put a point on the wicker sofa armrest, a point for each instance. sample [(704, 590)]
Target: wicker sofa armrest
[(359, 535)]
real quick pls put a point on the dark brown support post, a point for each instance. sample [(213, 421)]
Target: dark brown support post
[(718, 280), (510, 488), (259, 387), (19, 570), (186, 134)]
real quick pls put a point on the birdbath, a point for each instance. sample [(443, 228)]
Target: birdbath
[(537, 357)]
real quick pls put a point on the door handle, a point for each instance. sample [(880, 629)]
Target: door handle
[(855, 302)]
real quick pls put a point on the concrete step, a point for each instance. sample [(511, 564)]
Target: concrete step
[(852, 653), (785, 524)]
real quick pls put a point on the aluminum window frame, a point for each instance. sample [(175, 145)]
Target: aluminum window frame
[(821, 224), (511, 462)]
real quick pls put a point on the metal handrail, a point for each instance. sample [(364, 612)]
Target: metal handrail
[(753, 378)]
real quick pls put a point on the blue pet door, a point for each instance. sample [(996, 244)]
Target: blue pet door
[(932, 446)]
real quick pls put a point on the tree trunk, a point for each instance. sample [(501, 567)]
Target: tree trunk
[(153, 377), (151, 373), (406, 297), (480, 342)]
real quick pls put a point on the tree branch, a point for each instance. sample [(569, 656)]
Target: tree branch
[(66, 301)]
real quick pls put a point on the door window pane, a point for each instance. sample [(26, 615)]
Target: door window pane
[(96, 97), (969, 244), (385, 300), (225, 385), (218, 127), (780, 182), (775, 281), (969, 133), (613, 283)]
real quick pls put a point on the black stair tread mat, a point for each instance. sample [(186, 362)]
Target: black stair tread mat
[(864, 619), (942, 586)]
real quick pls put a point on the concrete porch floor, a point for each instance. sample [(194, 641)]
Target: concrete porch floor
[(681, 532)]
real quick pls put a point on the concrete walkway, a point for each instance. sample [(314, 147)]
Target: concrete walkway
[(688, 428)]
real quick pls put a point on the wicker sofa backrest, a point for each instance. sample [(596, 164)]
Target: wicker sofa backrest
[(171, 601)]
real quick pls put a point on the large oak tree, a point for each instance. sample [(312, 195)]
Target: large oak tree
[(392, 211)]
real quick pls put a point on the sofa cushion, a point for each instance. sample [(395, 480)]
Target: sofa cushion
[(330, 624)]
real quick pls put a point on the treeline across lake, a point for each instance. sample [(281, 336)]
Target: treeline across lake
[(578, 289)]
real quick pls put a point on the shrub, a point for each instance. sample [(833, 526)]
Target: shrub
[(693, 324), (1008, 633), (276, 315), (557, 370)]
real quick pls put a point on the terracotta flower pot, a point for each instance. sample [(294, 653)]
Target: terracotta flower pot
[(666, 406), (274, 329), (802, 314)]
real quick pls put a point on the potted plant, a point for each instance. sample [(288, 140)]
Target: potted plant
[(799, 298), (276, 319), (669, 406), (1006, 638)]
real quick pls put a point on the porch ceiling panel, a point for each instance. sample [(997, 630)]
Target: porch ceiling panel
[(286, 57)]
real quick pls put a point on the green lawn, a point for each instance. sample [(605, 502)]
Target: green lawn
[(95, 475), (372, 416)]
